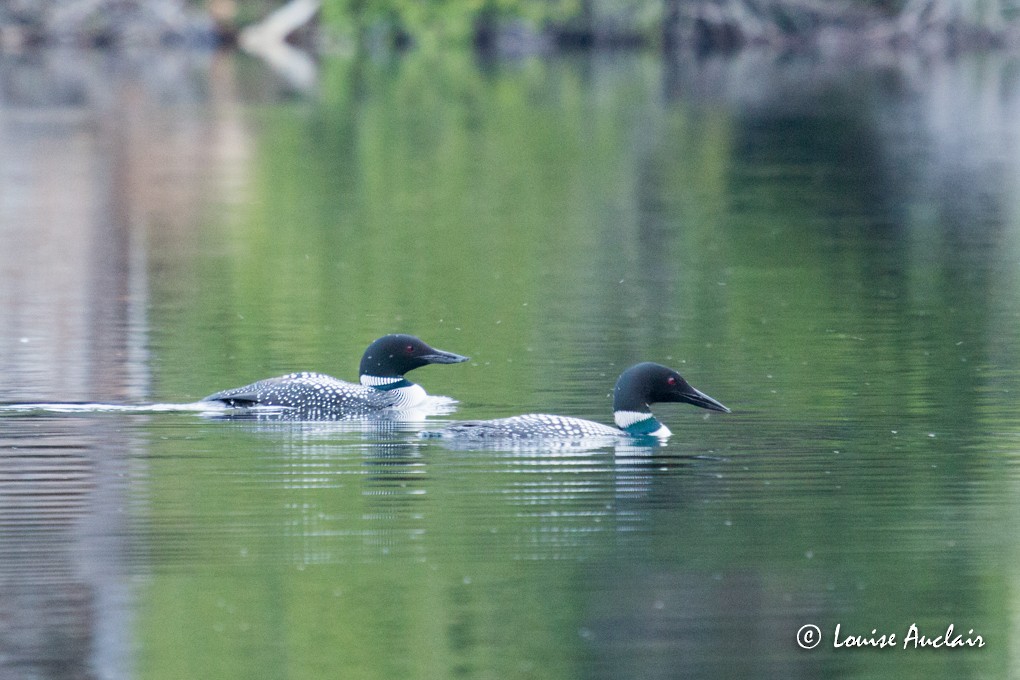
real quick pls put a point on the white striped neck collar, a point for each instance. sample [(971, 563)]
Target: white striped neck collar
[(385, 384), (640, 423)]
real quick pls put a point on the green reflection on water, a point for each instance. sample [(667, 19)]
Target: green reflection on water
[(439, 199), (557, 221)]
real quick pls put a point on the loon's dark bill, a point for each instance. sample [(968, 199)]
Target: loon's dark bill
[(442, 357), (699, 398)]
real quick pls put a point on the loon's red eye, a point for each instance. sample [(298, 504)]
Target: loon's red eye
[(409, 349), (671, 381)]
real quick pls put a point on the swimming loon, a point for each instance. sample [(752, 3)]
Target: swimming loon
[(316, 396), (637, 388)]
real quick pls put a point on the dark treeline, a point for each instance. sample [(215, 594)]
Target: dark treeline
[(510, 26), (527, 26)]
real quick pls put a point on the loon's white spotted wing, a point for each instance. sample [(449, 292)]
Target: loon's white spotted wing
[(311, 396), (529, 426)]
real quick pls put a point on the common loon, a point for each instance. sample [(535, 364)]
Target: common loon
[(637, 388), (316, 396)]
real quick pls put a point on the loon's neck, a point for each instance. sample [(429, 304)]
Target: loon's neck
[(406, 393), (385, 384), (640, 424)]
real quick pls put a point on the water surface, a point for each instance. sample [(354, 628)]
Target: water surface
[(829, 249)]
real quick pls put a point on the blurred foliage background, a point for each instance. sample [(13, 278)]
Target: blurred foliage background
[(526, 26)]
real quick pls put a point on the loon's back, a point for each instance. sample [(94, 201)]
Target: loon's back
[(528, 426), (314, 396)]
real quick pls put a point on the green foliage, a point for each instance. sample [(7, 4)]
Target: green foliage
[(449, 22), (446, 22)]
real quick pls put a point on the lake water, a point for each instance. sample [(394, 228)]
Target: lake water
[(831, 249)]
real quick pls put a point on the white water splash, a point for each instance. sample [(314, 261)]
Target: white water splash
[(74, 407)]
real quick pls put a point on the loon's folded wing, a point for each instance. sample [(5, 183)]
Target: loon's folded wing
[(286, 390)]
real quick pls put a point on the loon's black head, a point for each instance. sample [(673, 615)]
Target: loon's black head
[(648, 383), (391, 356)]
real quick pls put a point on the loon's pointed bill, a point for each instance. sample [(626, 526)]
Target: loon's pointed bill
[(439, 356), (692, 395)]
